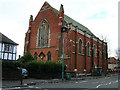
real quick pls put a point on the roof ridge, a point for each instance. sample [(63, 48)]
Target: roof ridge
[(75, 21), (80, 26), (47, 3)]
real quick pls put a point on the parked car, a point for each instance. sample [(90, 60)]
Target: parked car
[(24, 73)]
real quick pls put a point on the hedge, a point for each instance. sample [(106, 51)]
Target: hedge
[(10, 65), (10, 69), (40, 69)]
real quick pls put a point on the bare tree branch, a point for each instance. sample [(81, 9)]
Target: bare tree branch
[(104, 38), (117, 53)]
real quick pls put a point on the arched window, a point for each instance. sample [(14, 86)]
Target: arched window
[(95, 50), (35, 55), (88, 49), (80, 46), (43, 34), (41, 55), (49, 55)]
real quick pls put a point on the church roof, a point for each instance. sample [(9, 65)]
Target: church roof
[(5, 39), (69, 20)]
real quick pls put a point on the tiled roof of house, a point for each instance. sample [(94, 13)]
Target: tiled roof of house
[(5, 39), (69, 20)]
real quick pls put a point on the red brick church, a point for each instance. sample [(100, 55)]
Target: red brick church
[(82, 49)]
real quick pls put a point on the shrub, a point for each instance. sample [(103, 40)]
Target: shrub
[(53, 67), (10, 69), (8, 65), (35, 66), (25, 59), (39, 69)]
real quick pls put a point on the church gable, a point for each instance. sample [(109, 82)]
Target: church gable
[(45, 6), (43, 27)]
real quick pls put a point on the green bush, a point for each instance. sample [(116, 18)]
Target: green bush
[(8, 65), (49, 67), (41, 69), (53, 67), (10, 70), (35, 66), (25, 59)]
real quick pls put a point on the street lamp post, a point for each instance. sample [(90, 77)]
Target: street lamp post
[(63, 30), (63, 59)]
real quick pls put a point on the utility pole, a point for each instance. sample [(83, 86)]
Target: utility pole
[(63, 30)]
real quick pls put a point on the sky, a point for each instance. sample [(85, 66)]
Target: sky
[(99, 16)]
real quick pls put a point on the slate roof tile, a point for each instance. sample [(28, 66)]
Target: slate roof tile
[(5, 39)]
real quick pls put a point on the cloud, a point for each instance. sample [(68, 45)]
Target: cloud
[(101, 15)]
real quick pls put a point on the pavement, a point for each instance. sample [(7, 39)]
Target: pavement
[(32, 82)]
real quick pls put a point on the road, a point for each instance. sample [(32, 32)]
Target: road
[(93, 84), (103, 82)]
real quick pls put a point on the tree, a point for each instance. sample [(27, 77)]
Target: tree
[(26, 58), (117, 53), (105, 39)]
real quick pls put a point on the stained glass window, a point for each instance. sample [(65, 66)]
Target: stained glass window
[(43, 34), (80, 46)]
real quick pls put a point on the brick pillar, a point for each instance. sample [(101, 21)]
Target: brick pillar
[(106, 66), (92, 53), (85, 49), (103, 61), (97, 52), (75, 48)]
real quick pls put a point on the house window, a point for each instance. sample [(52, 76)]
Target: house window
[(6, 56), (8, 51), (43, 34), (14, 56), (49, 55), (95, 50), (35, 55), (6, 48), (3, 47), (88, 49), (80, 46), (11, 48), (10, 56), (0, 47), (0, 55)]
